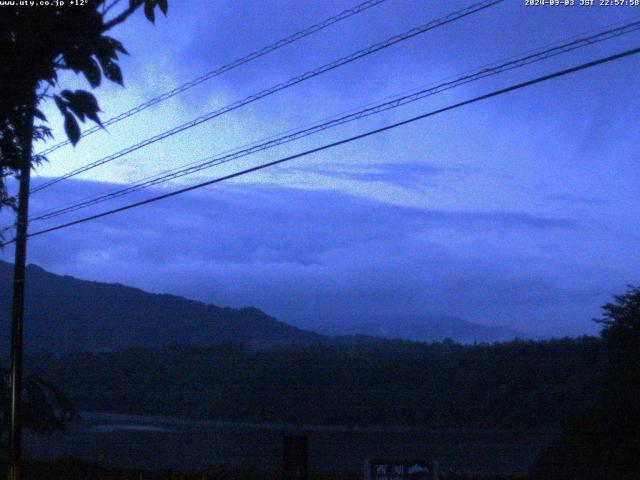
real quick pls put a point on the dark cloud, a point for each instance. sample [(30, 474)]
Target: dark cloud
[(316, 257), (518, 211), (275, 224)]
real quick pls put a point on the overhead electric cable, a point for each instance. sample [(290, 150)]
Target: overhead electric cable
[(219, 159), (225, 68), (376, 131), (276, 88)]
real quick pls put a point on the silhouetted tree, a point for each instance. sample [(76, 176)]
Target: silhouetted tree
[(45, 409), (605, 442), (621, 335), (36, 43)]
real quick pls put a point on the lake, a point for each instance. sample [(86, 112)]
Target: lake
[(148, 442)]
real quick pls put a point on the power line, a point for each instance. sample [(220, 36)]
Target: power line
[(225, 68), (495, 93), (477, 74), (281, 86)]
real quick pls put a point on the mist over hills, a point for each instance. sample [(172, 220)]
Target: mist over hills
[(65, 314), (431, 329)]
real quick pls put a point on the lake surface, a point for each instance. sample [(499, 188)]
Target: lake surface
[(145, 442)]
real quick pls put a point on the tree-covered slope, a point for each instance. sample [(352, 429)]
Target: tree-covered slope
[(65, 314), (514, 384)]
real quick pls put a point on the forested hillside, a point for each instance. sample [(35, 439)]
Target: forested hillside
[(66, 314), (501, 385)]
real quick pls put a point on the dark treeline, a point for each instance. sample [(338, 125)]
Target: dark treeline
[(515, 384)]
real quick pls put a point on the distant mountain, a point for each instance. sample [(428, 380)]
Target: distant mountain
[(64, 314), (432, 330)]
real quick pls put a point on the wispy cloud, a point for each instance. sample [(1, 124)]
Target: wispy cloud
[(314, 256), (411, 175)]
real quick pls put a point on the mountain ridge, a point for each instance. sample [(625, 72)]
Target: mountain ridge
[(64, 314), (432, 329)]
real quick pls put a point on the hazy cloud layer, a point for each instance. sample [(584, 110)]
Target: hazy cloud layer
[(520, 210), (316, 257)]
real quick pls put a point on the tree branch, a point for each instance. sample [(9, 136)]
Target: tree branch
[(123, 16)]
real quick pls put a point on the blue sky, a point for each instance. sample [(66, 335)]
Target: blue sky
[(517, 211)]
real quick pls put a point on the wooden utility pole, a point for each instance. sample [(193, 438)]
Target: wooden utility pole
[(17, 319)]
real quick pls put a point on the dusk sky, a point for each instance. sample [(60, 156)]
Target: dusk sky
[(519, 211)]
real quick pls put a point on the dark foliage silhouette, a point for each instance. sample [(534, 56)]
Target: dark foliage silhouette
[(36, 44), (46, 408), (604, 442), (509, 385)]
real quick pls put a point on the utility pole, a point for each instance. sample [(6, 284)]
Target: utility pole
[(22, 218)]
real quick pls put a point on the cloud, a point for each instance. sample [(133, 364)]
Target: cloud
[(316, 257), (412, 175), (518, 211), (276, 223)]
